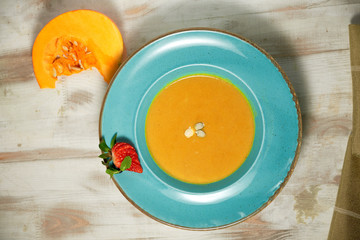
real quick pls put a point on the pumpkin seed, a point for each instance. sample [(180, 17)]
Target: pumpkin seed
[(200, 133), (189, 132), (199, 126), (54, 72)]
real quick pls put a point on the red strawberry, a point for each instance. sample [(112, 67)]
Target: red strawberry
[(123, 156), (122, 150)]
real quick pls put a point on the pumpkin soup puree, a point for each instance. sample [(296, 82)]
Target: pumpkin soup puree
[(199, 129)]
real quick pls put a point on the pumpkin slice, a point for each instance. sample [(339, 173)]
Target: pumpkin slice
[(75, 41)]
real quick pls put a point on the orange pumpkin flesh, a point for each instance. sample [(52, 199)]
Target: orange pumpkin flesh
[(75, 41)]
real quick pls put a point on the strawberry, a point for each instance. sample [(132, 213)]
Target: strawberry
[(120, 151), (119, 157)]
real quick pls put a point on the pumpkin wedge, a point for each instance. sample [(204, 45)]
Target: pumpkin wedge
[(75, 41)]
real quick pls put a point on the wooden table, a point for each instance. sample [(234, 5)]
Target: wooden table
[(53, 186)]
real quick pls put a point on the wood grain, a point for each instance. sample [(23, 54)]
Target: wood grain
[(52, 184)]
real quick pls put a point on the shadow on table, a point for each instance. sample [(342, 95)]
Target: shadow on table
[(355, 19), (223, 15), (255, 26)]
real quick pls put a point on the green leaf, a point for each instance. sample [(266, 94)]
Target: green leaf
[(113, 141), (104, 155), (112, 171), (126, 163), (103, 146)]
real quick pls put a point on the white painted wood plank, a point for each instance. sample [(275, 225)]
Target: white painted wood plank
[(53, 186), (322, 82), (62, 192)]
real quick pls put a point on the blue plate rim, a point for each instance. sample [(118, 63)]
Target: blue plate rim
[(294, 98)]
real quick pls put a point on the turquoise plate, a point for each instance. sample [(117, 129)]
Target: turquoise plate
[(277, 132)]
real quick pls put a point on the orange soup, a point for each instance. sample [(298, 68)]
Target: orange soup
[(200, 129)]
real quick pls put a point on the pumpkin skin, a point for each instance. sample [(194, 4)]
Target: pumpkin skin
[(75, 41)]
